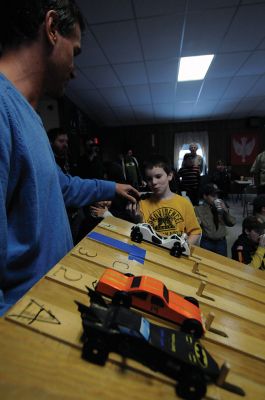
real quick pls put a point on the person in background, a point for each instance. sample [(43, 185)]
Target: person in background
[(221, 178), (94, 214), (214, 217), (189, 178), (196, 158), (90, 164), (259, 207), (59, 144), (258, 171), (249, 248), (131, 169), (164, 210), (38, 40)]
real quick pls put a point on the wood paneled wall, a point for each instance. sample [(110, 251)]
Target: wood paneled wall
[(116, 139)]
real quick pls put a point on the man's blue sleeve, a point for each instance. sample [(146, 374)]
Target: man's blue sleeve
[(79, 192), (5, 150)]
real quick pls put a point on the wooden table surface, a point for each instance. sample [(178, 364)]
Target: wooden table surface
[(40, 348)]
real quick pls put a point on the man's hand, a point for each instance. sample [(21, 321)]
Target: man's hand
[(128, 192)]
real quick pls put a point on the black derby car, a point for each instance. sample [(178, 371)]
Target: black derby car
[(110, 328)]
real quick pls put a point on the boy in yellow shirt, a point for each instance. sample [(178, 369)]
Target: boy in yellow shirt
[(165, 211)]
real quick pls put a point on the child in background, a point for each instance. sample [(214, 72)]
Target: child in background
[(214, 217), (249, 248)]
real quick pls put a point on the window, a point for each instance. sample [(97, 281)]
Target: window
[(156, 301), (181, 146), (165, 293), (140, 295), (185, 149), (136, 282)]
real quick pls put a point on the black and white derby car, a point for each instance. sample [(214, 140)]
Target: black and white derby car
[(178, 245), (180, 356)]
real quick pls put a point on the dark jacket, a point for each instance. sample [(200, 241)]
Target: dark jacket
[(247, 252)]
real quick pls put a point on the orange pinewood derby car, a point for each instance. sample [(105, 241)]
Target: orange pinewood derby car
[(151, 295)]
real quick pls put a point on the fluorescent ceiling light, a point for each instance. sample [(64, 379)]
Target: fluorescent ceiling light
[(194, 68)]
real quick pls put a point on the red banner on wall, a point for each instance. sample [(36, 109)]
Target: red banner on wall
[(244, 148)]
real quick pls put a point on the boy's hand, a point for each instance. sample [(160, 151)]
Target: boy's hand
[(262, 241), (128, 192), (98, 211)]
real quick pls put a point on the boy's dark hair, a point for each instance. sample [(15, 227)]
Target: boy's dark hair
[(20, 20), (54, 133), (258, 203), (253, 223), (158, 160)]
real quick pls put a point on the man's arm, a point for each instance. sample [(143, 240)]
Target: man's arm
[(5, 152), (79, 192)]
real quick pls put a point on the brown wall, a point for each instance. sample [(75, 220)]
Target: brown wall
[(114, 140)]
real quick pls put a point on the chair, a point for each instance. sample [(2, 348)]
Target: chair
[(249, 194)]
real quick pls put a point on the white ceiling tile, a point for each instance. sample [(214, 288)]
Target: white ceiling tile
[(92, 97), (163, 93), (226, 65), (98, 11), (147, 8), (119, 41), (213, 88), (115, 97), (124, 112), (205, 30), (255, 65), (188, 91), (102, 76), (224, 107), (145, 111), (246, 106), (161, 37), (262, 45), (260, 108), (247, 30), (131, 74), (183, 109), (239, 86), (139, 94), (162, 71), (201, 108), (164, 110), (129, 62), (80, 82), (195, 5), (91, 53), (258, 89)]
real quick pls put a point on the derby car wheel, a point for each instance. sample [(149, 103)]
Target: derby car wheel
[(192, 300), (95, 351), (136, 236), (192, 326), (128, 274), (176, 250), (122, 299), (191, 386)]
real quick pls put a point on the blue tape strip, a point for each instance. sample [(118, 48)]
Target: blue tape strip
[(135, 252)]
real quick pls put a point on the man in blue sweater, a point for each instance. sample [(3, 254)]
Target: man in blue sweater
[(39, 39)]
